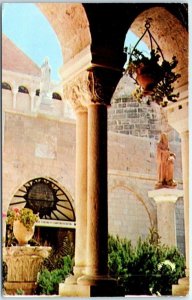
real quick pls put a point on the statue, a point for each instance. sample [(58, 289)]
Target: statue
[(45, 85), (165, 164), (45, 77)]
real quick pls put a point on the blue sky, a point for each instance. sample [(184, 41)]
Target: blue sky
[(27, 27)]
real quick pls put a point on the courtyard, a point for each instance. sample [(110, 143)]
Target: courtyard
[(81, 155)]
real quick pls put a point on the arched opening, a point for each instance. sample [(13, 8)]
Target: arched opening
[(6, 86), (55, 209), (56, 96), (23, 89)]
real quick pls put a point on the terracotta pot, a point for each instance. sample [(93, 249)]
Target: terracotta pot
[(21, 233), (148, 77)]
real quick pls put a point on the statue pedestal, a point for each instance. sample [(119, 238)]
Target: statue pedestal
[(165, 199), (23, 264)]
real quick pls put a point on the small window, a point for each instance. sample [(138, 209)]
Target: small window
[(6, 86), (37, 92), (56, 96), (23, 89)]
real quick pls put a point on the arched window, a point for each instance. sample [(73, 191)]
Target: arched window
[(23, 89), (37, 92), (46, 198), (6, 86), (56, 96)]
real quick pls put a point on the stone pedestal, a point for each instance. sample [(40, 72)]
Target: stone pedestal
[(23, 264), (178, 118), (182, 288), (165, 199)]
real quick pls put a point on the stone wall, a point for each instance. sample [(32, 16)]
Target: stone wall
[(132, 173), (36, 145), (128, 116)]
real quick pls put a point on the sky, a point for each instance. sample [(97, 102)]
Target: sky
[(28, 28)]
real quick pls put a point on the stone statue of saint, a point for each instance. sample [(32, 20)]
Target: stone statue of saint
[(165, 163), (45, 78)]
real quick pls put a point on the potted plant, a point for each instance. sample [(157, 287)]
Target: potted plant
[(153, 78), (22, 221)]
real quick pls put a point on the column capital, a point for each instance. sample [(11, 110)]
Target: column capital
[(96, 85), (165, 195), (77, 91), (102, 83)]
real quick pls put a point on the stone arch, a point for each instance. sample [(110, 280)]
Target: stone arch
[(23, 89), (129, 215), (6, 86), (75, 35)]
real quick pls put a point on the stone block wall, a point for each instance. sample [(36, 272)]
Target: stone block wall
[(130, 117), (38, 146)]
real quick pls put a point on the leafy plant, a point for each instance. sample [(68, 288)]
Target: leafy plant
[(160, 90), (20, 292), (146, 269), (24, 215), (48, 281)]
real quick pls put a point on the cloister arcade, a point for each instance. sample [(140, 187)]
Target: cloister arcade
[(92, 38)]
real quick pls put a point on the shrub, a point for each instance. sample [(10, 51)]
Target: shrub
[(148, 268), (48, 281)]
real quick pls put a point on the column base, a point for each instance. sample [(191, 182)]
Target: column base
[(182, 288), (91, 286)]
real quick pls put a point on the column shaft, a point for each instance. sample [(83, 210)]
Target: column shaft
[(97, 222), (81, 192), (166, 222), (185, 168)]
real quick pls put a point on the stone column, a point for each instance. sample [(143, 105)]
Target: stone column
[(94, 89), (178, 118), (165, 199), (81, 196), (97, 226), (185, 167), (96, 273), (32, 96), (14, 97), (81, 192)]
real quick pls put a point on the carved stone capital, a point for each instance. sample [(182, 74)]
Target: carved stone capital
[(103, 82), (95, 85), (77, 91)]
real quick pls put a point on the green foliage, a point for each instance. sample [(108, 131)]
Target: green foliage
[(48, 281), (162, 74), (20, 292), (148, 268), (55, 259), (24, 215)]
